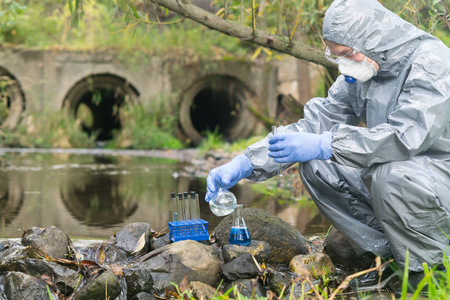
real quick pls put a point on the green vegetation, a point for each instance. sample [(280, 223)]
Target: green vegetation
[(147, 128), (214, 141), (47, 25), (437, 284), (137, 30), (47, 130)]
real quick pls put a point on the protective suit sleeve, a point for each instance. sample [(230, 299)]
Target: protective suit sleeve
[(320, 115), (419, 119)]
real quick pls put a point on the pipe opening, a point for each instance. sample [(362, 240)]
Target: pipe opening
[(215, 108), (218, 104), (98, 112), (96, 102), (12, 100)]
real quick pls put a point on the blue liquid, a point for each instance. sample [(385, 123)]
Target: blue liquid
[(239, 236)]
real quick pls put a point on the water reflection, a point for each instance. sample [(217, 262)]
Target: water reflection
[(11, 199), (98, 200), (93, 196)]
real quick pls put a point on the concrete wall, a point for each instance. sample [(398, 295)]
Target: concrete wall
[(47, 76)]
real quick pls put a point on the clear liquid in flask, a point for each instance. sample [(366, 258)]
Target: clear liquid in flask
[(223, 204)]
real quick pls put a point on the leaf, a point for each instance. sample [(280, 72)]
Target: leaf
[(140, 244), (220, 12), (101, 254), (268, 52), (257, 52), (47, 279), (184, 283), (89, 264), (118, 270)]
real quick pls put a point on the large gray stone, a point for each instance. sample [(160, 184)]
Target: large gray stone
[(259, 249), (23, 286), (128, 237), (313, 265), (10, 257), (104, 286), (285, 241), (138, 280), (49, 241), (342, 253), (159, 242), (242, 267), (66, 279), (199, 261)]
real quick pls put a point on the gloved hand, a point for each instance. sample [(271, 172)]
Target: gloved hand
[(227, 175), (299, 146)]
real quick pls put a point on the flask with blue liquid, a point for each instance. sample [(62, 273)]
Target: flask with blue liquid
[(239, 234)]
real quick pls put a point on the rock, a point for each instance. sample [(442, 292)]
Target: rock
[(23, 286), (64, 278), (127, 239), (285, 241), (176, 260), (341, 252), (201, 290), (160, 241), (277, 281), (138, 280), (109, 253), (50, 241), (10, 257), (247, 288), (300, 289), (143, 296), (315, 265), (105, 252), (104, 286), (241, 267), (5, 245), (259, 249)]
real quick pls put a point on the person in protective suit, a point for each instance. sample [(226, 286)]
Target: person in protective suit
[(385, 186)]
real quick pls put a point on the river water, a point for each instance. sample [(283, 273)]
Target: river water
[(94, 195)]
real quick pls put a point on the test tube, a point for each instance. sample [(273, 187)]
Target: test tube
[(195, 213), (187, 214), (180, 207), (280, 167), (174, 207)]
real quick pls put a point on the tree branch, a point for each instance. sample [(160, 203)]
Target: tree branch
[(279, 43)]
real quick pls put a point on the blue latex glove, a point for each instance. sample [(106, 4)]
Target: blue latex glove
[(299, 146), (227, 175)]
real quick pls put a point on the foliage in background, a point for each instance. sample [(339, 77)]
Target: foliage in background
[(47, 130), (151, 127), (214, 141), (48, 24)]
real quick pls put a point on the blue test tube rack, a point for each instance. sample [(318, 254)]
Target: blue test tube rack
[(189, 230)]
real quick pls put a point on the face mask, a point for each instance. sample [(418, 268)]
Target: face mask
[(360, 70)]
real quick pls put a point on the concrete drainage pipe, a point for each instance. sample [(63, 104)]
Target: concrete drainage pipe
[(217, 103), (96, 101), (12, 100)]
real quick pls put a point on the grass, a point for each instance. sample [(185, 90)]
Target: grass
[(438, 289), (147, 127), (47, 130)]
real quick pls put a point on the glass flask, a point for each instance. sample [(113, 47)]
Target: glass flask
[(223, 203), (239, 234)]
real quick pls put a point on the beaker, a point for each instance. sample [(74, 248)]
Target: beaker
[(239, 234), (223, 202)]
